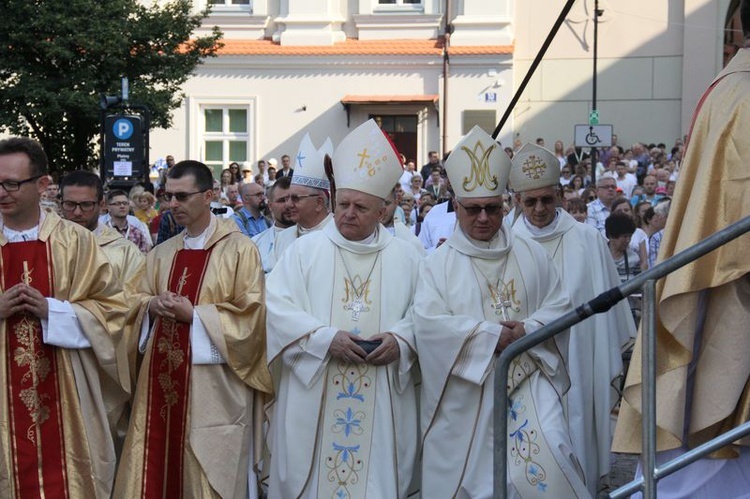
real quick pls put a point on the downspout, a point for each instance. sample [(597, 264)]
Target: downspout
[(446, 71)]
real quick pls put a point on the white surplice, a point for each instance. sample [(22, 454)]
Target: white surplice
[(267, 247), (305, 309), (286, 237), (456, 329), (594, 359)]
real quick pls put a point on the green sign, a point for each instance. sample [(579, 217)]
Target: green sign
[(594, 117)]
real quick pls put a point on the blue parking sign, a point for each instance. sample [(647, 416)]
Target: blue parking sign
[(123, 129)]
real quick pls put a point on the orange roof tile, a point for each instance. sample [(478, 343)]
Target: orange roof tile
[(356, 47)]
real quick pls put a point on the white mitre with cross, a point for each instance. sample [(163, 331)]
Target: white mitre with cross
[(478, 167), (366, 161), (534, 167), (309, 169)]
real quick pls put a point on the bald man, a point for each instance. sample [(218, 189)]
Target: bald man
[(250, 217)]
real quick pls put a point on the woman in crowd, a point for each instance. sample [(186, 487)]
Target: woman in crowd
[(639, 241), (576, 182), (235, 169), (415, 189)]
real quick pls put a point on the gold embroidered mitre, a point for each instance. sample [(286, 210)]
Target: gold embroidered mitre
[(534, 167), (478, 167), (366, 161)]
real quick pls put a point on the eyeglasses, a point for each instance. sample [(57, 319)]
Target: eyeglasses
[(609, 186), (119, 203), (84, 205), (490, 209), (295, 198), (14, 185), (181, 197)]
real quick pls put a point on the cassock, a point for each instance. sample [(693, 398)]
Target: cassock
[(60, 379), (196, 416), (267, 247), (339, 428), (703, 350), (465, 288), (291, 234), (594, 358)]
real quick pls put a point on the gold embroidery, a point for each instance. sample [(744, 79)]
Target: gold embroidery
[(534, 167), (26, 276), (356, 288), (508, 294), (480, 168), (30, 354), (182, 281)]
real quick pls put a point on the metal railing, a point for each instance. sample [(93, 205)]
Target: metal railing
[(602, 303)]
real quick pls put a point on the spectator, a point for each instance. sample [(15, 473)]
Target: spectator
[(577, 209), (146, 210), (619, 229), (600, 209), (434, 159), (659, 221), (234, 168), (639, 241)]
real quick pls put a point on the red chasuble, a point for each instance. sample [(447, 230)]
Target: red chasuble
[(36, 425), (169, 384)]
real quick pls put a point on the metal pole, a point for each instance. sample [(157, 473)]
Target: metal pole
[(648, 391), (537, 60), (594, 151), (446, 74)]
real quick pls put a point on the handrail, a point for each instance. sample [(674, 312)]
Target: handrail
[(601, 303)]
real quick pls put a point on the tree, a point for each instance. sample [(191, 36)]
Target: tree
[(58, 56)]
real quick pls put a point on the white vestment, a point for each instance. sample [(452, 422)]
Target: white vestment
[(287, 236), (457, 329), (310, 295), (401, 231), (438, 223), (267, 247), (585, 266)]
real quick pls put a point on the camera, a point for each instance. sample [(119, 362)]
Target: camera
[(219, 211)]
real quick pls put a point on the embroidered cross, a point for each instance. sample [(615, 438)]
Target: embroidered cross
[(26, 276), (182, 281), (363, 156), (534, 167), (356, 307), (300, 157), (503, 304)]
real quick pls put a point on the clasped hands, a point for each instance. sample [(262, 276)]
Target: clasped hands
[(171, 306), (512, 330), (344, 348), (23, 298)]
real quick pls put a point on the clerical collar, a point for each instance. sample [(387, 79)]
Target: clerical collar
[(301, 231), (544, 231), (19, 236), (199, 241)]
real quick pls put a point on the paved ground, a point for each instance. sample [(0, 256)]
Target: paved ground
[(623, 469)]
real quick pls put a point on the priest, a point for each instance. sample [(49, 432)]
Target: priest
[(480, 291), (309, 194), (62, 311), (585, 266), (196, 416), (344, 422), (280, 207)]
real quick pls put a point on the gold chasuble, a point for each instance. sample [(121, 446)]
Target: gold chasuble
[(36, 423), (168, 378), (194, 427), (348, 408), (57, 404)]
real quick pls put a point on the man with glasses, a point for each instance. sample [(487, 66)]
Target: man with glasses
[(118, 218), (583, 261), (278, 196), (479, 292), (201, 318), (250, 217), (599, 209), (62, 311), (309, 196), (341, 341)]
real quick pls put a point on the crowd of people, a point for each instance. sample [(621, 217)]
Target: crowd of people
[(329, 329)]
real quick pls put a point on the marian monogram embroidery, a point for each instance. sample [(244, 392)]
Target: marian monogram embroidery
[(480, 168), (534, 167), (504, 298)]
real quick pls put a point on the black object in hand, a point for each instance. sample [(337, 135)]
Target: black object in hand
[(368, 345)]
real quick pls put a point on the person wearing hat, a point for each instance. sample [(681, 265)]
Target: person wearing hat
[(585, 266), (341, 343), (247, 174), (309, 195), (480, 291)]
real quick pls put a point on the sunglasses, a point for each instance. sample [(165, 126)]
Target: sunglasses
[(181, 197), (489, 209)]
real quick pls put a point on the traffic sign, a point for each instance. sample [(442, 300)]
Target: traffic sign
[(593, 135), (124, 150), (594, 117)]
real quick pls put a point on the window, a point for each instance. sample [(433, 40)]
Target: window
[(225, 136), (399, 5), (229, 6), (229, 2)]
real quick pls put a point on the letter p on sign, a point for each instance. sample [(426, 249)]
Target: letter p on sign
[(123, 129)]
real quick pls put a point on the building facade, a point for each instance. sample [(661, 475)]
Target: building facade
[(290, 67)]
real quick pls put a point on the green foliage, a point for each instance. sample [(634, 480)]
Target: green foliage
[(58, 56)]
